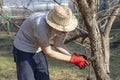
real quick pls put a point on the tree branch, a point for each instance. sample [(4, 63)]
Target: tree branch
[(111, 20), (74, 38), (57, 2), (106, 12), (85, 11)]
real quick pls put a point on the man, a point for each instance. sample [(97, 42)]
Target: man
[(31, 44)]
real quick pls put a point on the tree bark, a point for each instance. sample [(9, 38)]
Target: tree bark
[(99, 41)]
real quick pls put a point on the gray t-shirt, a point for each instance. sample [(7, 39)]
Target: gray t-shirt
[(33, 27)]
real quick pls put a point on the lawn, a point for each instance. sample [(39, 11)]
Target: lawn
[(58, 70)]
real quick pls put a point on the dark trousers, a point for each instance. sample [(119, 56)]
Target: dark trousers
[(31, 66)]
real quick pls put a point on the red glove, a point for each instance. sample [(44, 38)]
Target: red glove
[(79, 60)]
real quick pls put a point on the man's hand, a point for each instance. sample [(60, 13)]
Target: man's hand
[(79, 60)]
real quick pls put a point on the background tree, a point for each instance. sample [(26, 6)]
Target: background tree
[(98, 24)]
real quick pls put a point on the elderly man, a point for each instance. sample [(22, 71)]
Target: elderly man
[(31, 44)]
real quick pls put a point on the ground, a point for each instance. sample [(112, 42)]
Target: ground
[(58, 70)]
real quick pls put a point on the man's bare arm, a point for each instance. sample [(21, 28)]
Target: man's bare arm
[(46, 48), (59, 45)]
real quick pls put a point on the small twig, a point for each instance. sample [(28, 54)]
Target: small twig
[(57, 2), (108, 10), (92, 58), (82, 45), (82, 30)]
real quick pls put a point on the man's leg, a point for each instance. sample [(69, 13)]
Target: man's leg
[(41, 72), (24, 64)]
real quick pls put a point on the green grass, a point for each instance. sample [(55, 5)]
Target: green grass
[(64, 71), (115, 63), (58, 70), (7, 66)]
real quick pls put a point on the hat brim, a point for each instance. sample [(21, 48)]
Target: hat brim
[(67, 28)]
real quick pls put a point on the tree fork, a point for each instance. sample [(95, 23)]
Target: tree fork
[(95, 38)]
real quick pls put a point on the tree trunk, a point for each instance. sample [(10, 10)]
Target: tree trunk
[(98, 42), (99, 39), (99, 50)]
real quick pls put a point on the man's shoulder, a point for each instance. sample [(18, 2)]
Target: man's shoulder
[(37, 17), (38, 14)]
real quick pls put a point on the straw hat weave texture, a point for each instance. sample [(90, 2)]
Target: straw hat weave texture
[(62, 19)]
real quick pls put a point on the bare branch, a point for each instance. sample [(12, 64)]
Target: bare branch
[(103, 18), (57, 2), (82, 30), (107, 11), (29, 2), (111, 20), (74, 38)]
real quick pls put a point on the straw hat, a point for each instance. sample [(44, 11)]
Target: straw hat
[(62, 19)]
